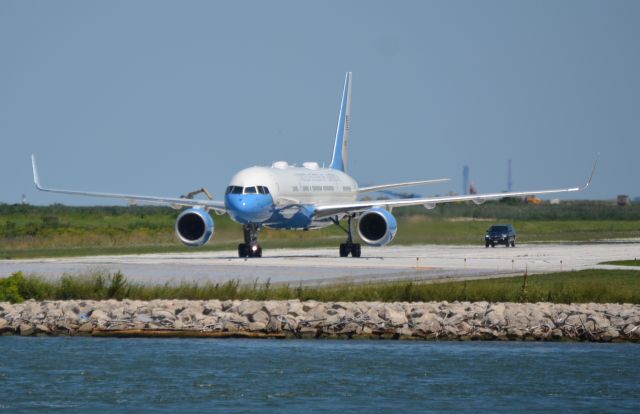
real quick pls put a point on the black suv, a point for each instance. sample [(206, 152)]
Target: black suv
[(500, 234)]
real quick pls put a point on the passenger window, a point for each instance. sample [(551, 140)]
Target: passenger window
[(250, 190)]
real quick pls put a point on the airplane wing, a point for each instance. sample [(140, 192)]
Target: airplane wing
[(329, 210), (217, 206), (397, 185)]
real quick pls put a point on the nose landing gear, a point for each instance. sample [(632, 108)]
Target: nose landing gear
[(250, 247)]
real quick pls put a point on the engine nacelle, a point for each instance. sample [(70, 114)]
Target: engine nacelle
[(194, 227), (377, 227)]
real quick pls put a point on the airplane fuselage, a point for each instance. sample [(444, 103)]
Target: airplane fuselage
[(283, 196)]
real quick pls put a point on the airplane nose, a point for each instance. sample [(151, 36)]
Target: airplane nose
[(249, 208)]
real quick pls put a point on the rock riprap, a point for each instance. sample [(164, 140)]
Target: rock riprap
[(311, 319)]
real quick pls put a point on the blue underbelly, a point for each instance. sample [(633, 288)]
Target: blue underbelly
[(294, 217)]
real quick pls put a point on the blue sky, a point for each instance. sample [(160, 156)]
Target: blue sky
[(160, 98)]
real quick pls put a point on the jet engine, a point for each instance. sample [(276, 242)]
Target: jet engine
[(194, 227), (377, 227)]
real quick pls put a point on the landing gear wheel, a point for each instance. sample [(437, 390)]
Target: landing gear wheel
[(486, 245), (242, 250), (255, 253), (513, 243), (506, 244), (493, 245), (355, 250), (344, 252)]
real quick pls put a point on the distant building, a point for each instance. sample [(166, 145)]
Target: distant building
[(465, 180)]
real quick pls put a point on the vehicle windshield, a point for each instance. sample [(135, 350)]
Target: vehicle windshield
[(495, 229)]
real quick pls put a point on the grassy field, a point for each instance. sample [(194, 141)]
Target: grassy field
[(598, 286), (30, 231), (634, 262)]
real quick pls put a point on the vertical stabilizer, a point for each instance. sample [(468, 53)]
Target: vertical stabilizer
[(339, 159)]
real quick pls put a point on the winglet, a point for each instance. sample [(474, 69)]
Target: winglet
[(339, 159), (593, 171), (36, 179)]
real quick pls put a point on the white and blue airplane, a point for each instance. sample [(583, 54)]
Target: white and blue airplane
[(286, 196)]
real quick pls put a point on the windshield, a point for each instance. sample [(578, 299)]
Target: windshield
[(234, 189), (495, 229)]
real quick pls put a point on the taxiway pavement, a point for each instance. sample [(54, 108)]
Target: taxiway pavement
[(322, 265)]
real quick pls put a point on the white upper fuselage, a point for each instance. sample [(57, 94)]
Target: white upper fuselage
[(293, 192)]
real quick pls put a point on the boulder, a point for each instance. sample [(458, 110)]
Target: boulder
[(6, 307), (351, 329), (160, 314), (248, 307), (274, 325), (85, 328), (274, 308), (295, 308), (234, 318), (575, 320), (26, 329), (336, 311), (404, 331), (308, 305), (211, 306), (599, 322), (610, 334), (257, 326), (332, 320), (259, 316), (494, 315), (394, 316), (4, 325), (99, 315), (142, 317)]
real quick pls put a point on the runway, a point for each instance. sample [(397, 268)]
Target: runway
[(322, 265)]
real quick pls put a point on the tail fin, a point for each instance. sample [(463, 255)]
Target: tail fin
[(339, 159)]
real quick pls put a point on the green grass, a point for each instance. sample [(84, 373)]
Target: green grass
[(600, 286), (634, 262)]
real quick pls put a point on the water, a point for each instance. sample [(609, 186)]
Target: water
[(235, 375)]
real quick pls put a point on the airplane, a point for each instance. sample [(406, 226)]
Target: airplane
[(285, 196)]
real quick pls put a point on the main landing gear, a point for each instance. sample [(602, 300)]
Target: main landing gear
[(349, 247), (250, 247)]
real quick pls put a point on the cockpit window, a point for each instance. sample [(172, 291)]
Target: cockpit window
[(234, 189)]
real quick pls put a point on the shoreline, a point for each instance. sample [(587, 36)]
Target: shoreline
[(590, 322)]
